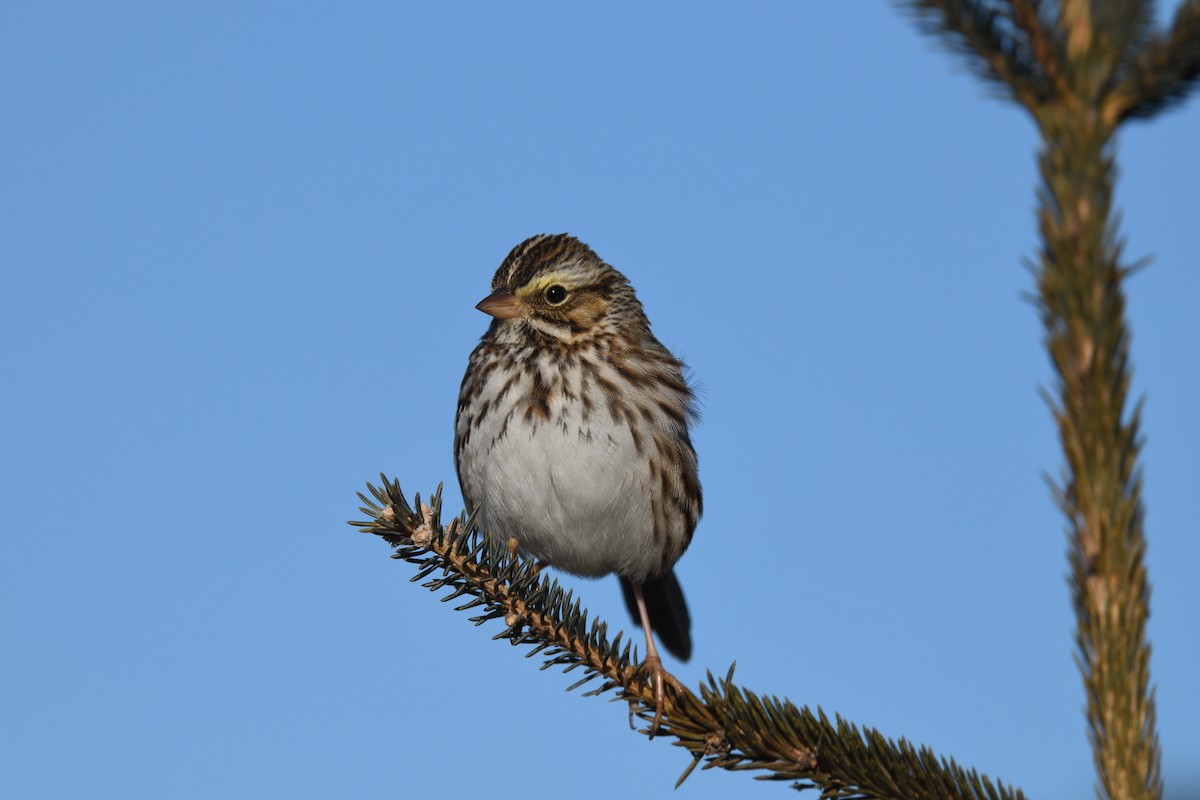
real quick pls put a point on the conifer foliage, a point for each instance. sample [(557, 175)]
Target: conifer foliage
[(720, 725), (1081, 68)]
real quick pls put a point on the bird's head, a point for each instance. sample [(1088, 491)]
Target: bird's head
[(556, 285)]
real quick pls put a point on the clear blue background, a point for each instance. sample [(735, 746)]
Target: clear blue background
[(240, 246)]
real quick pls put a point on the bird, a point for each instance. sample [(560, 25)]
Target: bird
[(572, 434)]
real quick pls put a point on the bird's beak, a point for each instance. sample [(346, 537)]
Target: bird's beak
[(501, 304)]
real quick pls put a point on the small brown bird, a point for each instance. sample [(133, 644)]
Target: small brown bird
[(572, 433)]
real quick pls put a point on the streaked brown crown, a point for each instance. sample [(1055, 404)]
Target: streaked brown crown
[(540, 252)]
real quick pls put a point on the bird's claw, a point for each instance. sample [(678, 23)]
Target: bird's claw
[(654, 664)]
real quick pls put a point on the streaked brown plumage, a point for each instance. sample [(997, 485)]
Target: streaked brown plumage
[(572, 432)]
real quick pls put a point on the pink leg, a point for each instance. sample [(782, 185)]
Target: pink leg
[(652, 662)]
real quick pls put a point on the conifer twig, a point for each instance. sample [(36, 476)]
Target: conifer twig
[(721, 726), (1083, 312), (1110, 70), (1044, 48), (1164, 72), (978, 30)]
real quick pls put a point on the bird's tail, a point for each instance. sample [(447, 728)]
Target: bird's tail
[(668, 612)]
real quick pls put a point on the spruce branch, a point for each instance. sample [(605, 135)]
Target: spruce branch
[(721, 725), (1164, 72), (1004, 47), (1082, 305), (1044, 44), (1124, 26), (1110, 69)]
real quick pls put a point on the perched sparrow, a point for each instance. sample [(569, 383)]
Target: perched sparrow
[(572, 433)]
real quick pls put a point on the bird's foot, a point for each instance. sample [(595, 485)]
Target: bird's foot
[(653, 664)]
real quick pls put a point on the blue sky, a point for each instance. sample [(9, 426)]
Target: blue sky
[(240, 250)]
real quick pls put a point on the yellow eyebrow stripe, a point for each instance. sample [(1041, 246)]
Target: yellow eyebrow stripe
[(543, 283)]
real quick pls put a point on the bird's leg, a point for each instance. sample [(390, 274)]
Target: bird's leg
[(514, 550), (652, 662)]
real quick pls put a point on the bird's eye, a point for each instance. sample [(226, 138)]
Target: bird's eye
[(556, 294)]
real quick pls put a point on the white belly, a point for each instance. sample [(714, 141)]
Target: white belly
[(573, 492)]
